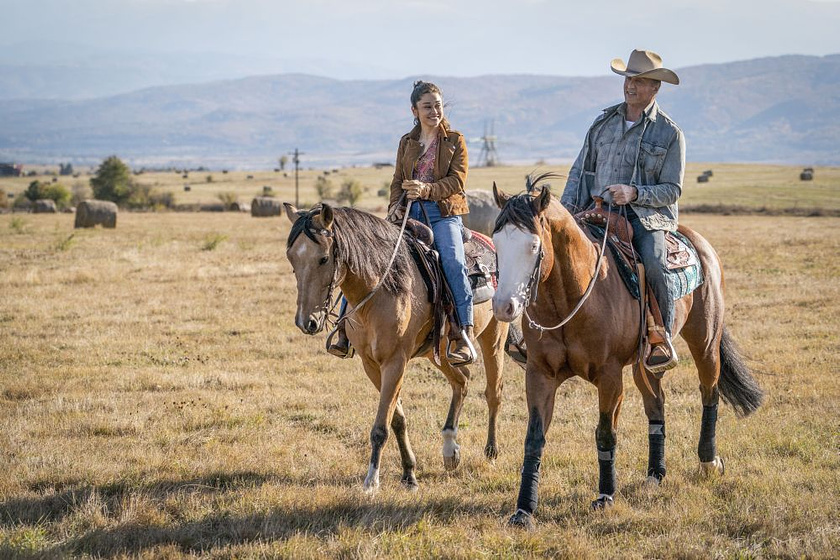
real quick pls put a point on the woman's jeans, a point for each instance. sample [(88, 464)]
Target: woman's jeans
[(450, 244)]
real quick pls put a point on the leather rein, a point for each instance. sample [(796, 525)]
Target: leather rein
[(533, 283)]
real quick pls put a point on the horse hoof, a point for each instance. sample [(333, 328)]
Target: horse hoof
[(602, 503), (491, 452), (451, 463), (410, 483), (652, 482), (522, 520), (713, 468)]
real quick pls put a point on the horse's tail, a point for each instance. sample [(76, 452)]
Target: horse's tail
[(737, 385)]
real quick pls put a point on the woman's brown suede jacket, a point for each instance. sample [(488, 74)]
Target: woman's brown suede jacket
[(450, 170)]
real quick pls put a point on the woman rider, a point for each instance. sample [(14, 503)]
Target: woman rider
[(431, 170)]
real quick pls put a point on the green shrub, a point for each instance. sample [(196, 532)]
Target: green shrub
[(228, 199), (18, 225), (21, 202), (57, 192), (66, 243), (212, 241), (146, 197), (112, 181), (351, 192), (324, 188)]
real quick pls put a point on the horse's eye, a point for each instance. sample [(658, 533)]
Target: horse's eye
[(323, 260)]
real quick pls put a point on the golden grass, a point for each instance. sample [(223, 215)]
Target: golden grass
[(157, 401)]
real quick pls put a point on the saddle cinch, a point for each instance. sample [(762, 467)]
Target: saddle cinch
[(679, 256)]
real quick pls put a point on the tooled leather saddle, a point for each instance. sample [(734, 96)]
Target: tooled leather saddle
[(620, 240)]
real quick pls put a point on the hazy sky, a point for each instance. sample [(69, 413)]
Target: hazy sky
[(441, 37)]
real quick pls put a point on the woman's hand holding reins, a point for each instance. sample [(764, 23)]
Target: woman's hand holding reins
[(416, 189)]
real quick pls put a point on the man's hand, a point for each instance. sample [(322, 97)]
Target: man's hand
[(623, 194), (416, 189)]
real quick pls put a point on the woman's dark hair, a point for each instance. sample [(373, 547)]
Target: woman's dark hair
[(421, 88)]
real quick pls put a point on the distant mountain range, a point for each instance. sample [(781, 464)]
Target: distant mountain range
[(782, 109)]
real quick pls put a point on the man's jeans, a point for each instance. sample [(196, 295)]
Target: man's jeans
[(450, 245), (652, 251)]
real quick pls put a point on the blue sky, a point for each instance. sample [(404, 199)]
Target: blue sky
[(396, 38)]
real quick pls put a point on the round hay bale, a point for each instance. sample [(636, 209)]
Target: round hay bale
[(44, 206), (483, 211), (265, 207), (708, 173), (91, 213), (702, 178), (806, 176)]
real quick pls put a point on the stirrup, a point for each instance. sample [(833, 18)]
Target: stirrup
[(337, 349), (661, 363), (458, 361)]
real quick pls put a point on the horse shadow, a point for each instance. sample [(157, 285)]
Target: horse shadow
[(220, 529)]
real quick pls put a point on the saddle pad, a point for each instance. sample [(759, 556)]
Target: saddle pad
[(684, 280), (681, 281)]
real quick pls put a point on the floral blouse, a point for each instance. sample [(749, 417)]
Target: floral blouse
[(424, 169)]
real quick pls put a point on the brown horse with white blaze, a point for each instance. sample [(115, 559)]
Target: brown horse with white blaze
[(602, 337), (346, 248)]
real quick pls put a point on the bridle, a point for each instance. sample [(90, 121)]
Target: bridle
[(533, 284), (329, 308), (311, 232)]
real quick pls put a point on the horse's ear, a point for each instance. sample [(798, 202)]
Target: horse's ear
[(291, 212), (327, 216), (500, 196), (543, 200)]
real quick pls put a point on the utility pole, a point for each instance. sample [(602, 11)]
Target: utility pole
[(296, 161)]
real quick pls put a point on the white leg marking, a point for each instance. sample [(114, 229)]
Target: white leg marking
[(451, 450), (372, 479)]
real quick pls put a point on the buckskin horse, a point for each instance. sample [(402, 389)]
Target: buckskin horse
[(350, 249), (546, 264)]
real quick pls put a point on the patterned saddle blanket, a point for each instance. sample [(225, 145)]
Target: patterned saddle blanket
[(685, 272)]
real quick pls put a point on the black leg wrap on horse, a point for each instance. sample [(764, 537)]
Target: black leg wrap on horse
[(534, 444), (606, 464), (707, 448), (528, 488), (656, 450)]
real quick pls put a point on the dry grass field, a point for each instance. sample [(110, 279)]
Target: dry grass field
[(156, 400)]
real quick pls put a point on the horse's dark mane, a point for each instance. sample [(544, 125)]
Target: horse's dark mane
[(519, 210), (364, 243)]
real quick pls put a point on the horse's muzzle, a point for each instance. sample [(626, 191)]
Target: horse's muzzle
[(506, 309), (311, 324)]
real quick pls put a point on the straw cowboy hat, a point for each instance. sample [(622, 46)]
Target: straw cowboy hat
[(644, 64)]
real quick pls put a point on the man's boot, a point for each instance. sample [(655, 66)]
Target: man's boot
[(341, 347), (662, 355), (460, 350)]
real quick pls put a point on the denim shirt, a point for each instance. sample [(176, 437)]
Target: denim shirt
[(655, 166)]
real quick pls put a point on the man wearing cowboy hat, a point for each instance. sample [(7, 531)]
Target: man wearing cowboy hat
[(634, 155)]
